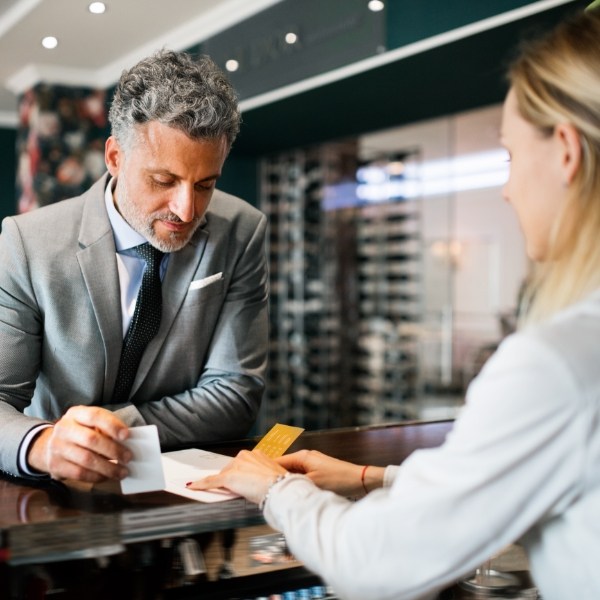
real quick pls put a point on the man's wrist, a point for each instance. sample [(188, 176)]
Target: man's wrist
[(26, 465)]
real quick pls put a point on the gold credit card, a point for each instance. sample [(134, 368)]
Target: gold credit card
[(278, 440)]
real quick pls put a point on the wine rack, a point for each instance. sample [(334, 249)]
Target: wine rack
[(345, 294)]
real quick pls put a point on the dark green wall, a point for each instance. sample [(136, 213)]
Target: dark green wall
[(240, 177), (8, 169), (411, 20), (455, 77)]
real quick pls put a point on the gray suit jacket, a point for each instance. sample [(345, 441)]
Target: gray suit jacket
[(201, 378)]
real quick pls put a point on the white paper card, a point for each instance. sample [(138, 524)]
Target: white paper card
[(145, 469), (182, 466)]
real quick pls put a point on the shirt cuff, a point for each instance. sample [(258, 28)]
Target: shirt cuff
[(24, 468), (299, 486), (389, 475)]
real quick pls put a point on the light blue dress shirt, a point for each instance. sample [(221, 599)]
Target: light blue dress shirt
[(130, 265)]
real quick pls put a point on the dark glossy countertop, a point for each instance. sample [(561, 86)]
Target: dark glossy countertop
[(42, 521)]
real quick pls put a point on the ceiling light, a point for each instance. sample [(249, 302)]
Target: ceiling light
[(50, 42), (376, 5), (232, 65), (97, 8), (291, 38)]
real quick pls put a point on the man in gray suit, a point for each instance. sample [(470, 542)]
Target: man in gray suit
[(69, 279)]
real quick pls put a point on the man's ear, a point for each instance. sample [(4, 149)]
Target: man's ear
[(569, 142), (113, 156)]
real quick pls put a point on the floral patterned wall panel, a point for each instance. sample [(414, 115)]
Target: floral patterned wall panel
[(60, 143)]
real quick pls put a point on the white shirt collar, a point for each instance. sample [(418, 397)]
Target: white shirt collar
[(125, 236)]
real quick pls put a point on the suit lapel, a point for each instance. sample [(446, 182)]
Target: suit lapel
[(99, 269)]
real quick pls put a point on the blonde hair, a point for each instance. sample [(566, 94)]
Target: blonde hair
[(556, 79)]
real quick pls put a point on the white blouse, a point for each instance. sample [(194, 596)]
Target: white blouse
[(522, 463)]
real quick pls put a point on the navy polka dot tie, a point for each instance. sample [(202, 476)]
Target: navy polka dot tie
[(144, 323)]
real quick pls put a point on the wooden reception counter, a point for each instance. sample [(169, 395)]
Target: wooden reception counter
[(64, 541)]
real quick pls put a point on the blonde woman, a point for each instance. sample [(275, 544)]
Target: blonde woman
[(522, 462)]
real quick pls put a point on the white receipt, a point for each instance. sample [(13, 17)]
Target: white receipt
[(145, 469), (151, 471), (183, 466)]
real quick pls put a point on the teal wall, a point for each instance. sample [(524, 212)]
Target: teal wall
[(450, 78), (240, 177), (411, 20), (8, 169)]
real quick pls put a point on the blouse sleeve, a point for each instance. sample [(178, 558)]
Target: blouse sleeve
[(389, 475), (512, 460)]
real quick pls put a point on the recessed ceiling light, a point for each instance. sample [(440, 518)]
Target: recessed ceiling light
[(291, 38), (49, 42), (232, 65), (97, 8), (376, 5)]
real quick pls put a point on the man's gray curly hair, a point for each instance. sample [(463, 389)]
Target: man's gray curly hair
[(189, 94)]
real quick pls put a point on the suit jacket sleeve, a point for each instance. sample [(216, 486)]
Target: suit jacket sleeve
[(20, 346)]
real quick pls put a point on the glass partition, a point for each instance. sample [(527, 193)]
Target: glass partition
[(395, 272)]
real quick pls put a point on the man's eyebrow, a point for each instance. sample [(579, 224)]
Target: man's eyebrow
[(210, 177), (160, 171)]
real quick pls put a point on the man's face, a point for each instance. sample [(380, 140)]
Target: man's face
[(165, 181)]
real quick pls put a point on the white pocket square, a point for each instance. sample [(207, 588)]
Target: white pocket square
[(200, 283)]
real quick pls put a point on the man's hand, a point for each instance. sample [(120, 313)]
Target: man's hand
[(85, 445)]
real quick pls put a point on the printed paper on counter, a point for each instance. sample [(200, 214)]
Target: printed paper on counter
[(182, 466)]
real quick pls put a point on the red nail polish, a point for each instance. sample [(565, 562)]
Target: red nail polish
[(189, 483)]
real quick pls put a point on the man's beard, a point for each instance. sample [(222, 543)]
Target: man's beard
[(144, 223)]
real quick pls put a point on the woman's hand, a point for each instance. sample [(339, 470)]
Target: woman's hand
[(249, 474), (328, 473)]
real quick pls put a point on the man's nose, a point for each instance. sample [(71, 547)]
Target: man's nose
[(182, 204)]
